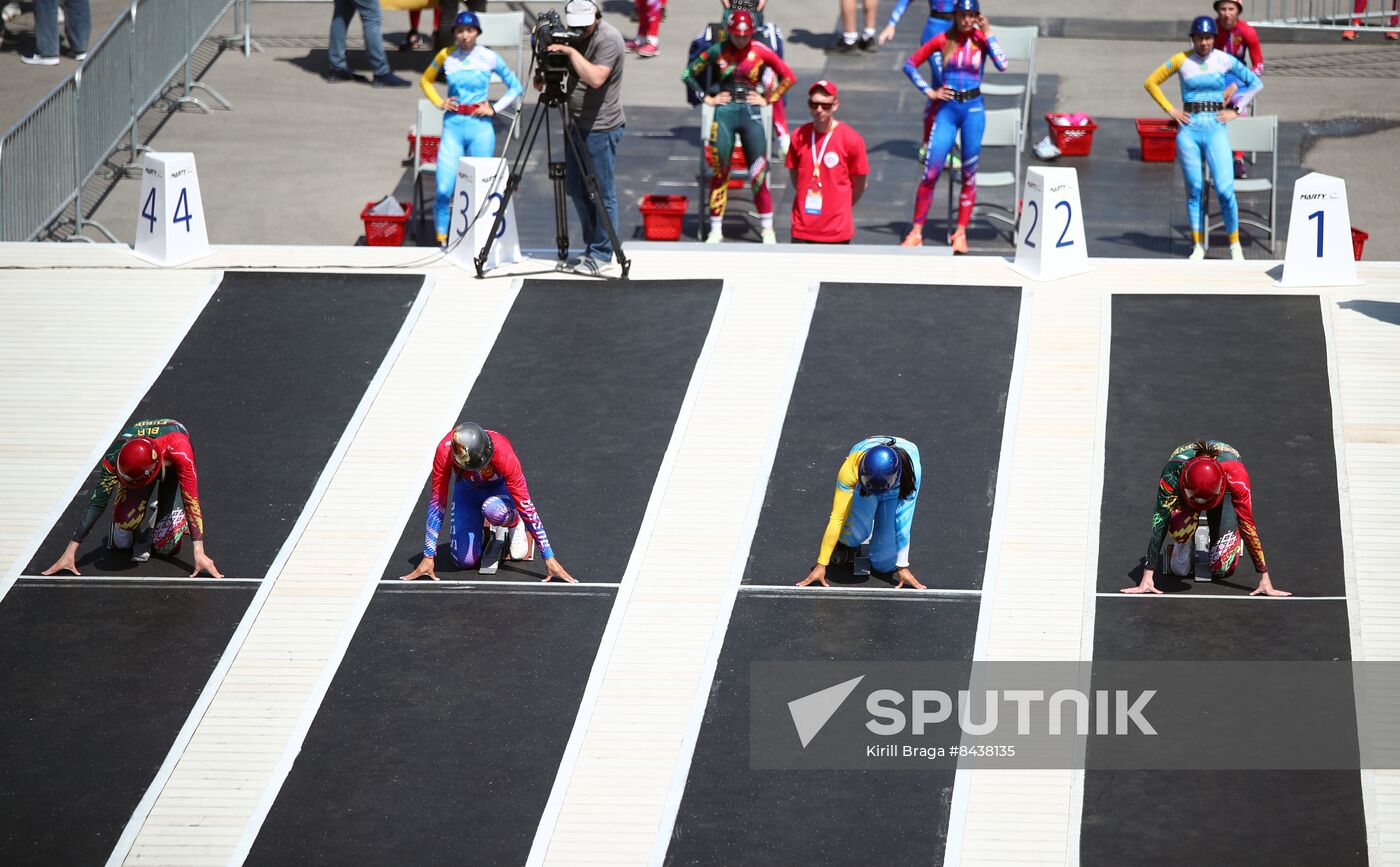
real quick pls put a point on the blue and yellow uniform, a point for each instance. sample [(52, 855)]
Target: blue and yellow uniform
[(885, 519), (1203, 83), (468, 75)]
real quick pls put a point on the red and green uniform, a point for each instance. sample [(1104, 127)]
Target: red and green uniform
[(1170, 501), (739, 71), (172, 443)]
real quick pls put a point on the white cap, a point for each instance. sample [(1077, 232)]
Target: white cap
[(580, 13)]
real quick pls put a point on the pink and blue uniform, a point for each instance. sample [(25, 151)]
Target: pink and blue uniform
[(940, 19), (471, 491), (962, 71)]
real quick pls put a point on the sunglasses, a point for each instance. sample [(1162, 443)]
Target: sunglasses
[(812, 103)]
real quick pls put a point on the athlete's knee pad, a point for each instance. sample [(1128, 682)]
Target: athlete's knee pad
[(498, 512), (170, 531), (1225, 554), (1181, 526)]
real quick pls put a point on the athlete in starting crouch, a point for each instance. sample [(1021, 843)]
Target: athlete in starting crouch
[(1196, 479), (467, 128), (877, 488), (1202, 138), (151, 456), (481, 472)]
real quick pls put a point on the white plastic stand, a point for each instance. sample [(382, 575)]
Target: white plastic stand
[(1050, 237), (475, 203), (170, 227), (1319, 235)]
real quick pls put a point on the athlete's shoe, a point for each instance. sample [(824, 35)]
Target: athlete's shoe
[(522, 544), (868, 43), (1045, 149), (839, 45), (1183, 560), (714, 237), (1237, 252), (1392, 35), (1198, 252), (38, 60), (959, 241), (913, 239), (1240, 172), (647, 50), (1349, 35), (633, 44), (768, 236)]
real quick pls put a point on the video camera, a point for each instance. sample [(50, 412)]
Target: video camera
[(554, 67)]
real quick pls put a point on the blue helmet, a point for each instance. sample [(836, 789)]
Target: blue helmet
[(1203, 25), (966, 6), (466, 19), (880, 465)]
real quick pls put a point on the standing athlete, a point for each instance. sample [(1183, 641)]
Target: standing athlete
[(1196, 479), (1237, 39), (150, 457), (740, 64), (480, 471), (940, 20), (467, 128), (877, 488)]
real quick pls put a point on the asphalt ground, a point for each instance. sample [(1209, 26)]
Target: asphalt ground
[(325, 150)]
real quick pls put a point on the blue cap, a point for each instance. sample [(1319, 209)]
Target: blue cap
[(880, 465), (966, 6), (467, 19), (1203, 25)]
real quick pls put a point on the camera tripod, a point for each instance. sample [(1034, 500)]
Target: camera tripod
[(573, 143)]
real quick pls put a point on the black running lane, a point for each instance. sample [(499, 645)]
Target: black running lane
[(586, 381), (733, 814), (443, 730), (265, 381), (96, 678), (1184, 367), (928, 363)]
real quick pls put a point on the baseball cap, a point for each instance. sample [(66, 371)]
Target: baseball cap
[(823, 85), (580, 13)]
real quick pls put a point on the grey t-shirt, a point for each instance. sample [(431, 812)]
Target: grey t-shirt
[(600, 109)]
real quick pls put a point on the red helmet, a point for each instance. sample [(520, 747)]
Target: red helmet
[(741, 23), (1203, 483), (138, 463)]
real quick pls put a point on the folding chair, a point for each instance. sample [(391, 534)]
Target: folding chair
[(1260, 135), (507, 30), (428, 125), (1019, 45), (707, 117), (1003, 130)]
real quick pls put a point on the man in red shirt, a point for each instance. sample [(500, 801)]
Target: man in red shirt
[(828, 168)]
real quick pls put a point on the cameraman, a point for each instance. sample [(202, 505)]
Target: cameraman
[(595, 104)]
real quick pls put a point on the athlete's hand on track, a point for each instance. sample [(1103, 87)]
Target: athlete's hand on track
[(907, 579), (204, 563), (67, 561), (1147, 586), (817, 575), (1181, 117), (1266, 587), (554, 569), (887, 34), (426, 566)]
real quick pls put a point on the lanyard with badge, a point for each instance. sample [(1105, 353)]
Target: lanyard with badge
[(813, 201)]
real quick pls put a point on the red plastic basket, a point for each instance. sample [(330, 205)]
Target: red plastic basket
[(430, 147), (1358, 242), (662, 217), (382, 230), (1158, 139), (1072, 141)]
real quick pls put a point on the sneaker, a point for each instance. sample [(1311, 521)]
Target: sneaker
[(1240, 172), (959, 241), (646, 49), (768, 236), (1349, 35), (1182, 560), (1197, 252), (587, 267), (1237, 252), (391, 80), (411, 42), (36, 60), (868, 43), (335, 73), (633, 44), (714, 237), (1045, 149), (80, 56), (913, 239), (839, 45), (1392, 35), (10, 12)]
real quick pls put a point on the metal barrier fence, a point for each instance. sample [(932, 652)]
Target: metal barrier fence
[(50, 154), (1329, 14)]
